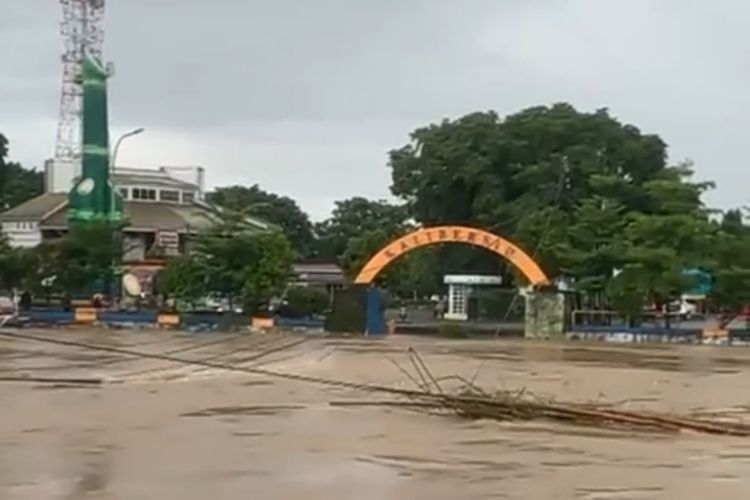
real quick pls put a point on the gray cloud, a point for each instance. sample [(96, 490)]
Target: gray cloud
[(306, 97)]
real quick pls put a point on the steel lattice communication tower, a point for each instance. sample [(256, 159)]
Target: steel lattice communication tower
[(82, 29)]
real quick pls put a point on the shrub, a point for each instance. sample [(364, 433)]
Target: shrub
[(302, 301)]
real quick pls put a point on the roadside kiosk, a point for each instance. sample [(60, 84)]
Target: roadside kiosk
[(460, 288)]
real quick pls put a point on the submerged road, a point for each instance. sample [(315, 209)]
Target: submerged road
[(157, 429)]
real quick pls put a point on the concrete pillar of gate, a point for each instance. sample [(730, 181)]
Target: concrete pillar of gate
[(545, 315)]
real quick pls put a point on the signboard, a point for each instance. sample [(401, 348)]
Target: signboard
[(169, 241), (472, 279)]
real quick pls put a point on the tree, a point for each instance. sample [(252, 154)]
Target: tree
[(16, 265), (181, 280), (670, 236), (44, 264), (281, 211), (359, 227), (231, 263), (360, 247), (732, 223), (305, 302), (416, 274), (355, 218), (730, 292), (587, 196), (17, 184), (84, 261), (592, 250), (268, 272), (524, 176)]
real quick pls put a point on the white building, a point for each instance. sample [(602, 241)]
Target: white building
[(163, 200)]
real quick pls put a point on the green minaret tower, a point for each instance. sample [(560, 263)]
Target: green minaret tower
[(93, 198)]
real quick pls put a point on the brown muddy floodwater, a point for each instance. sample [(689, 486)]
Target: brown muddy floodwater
[(158, 430)]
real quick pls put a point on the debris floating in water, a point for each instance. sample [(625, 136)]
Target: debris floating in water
[(470, 401)]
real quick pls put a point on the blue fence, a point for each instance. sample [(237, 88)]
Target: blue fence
[(50, 316), (129, 317), (637, 330), (311, 323)]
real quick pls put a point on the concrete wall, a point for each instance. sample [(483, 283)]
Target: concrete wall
[(59, 175), (545, 316)]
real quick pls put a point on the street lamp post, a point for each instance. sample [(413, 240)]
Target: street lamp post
[(117, 145), (113, 160)]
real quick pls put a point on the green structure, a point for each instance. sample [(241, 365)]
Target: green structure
[(93, 198)]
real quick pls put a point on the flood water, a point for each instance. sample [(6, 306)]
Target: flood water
[(162, 430)]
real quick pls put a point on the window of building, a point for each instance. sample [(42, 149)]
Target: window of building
[(188, 197), (144, 194), (124, 193), (169, 195)]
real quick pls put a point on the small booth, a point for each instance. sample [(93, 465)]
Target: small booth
[(460, 287)]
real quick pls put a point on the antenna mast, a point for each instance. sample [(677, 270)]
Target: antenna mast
[(82, 29)]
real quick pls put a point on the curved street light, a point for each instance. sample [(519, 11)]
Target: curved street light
[(112, 172), (117, 145)]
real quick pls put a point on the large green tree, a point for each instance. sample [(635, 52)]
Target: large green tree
[(17, 184), (584, 194), (669, 236), (481, 168), (281, 211)]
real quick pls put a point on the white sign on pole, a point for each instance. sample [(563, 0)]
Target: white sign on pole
[(472, 279)]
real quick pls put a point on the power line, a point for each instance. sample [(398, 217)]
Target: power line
[(545, 230)]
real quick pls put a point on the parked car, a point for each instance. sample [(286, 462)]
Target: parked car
[(685, 309)]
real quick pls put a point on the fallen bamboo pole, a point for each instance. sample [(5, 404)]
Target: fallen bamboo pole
[(54, 380)]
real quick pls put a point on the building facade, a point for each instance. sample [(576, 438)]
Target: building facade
[(162, 208)]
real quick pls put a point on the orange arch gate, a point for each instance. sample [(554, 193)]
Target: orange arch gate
[(452, 234), (435, 236)]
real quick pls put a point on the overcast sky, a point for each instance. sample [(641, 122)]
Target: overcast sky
[(305, 97)]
